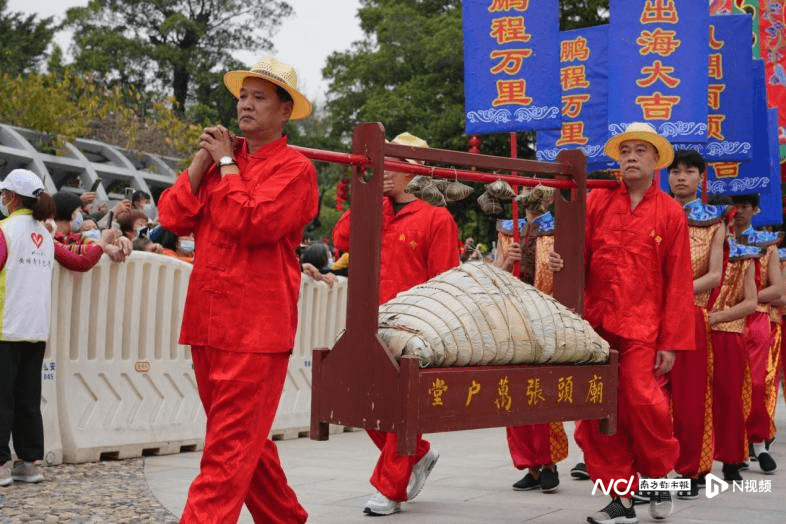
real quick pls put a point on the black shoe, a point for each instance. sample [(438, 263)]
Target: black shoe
[(751, 453), (766, 463), (768, 444), (661, 505), (731, 472), (614, 513), (528, 483), (549, 480), (692, 493), (579, 472), (639, 498), (701, 481)]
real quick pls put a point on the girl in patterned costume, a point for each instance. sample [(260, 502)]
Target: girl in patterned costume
[(760, 338), (536, 447), (690, 379), (731, 386)]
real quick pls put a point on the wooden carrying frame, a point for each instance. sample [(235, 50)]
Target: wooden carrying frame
[(359, 384)]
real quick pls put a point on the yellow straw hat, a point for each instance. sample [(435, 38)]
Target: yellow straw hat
[(645, 133), (408, 139), (279, 73)]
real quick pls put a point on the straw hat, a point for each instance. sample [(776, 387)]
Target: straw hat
[(279, 73), (645, 133), (408, 139)]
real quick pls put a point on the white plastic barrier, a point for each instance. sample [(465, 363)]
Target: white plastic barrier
[(50, 409), (125, 387), (322, 315), (116, 382)]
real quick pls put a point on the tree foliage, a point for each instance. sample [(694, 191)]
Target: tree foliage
[(23, 40), (178, 48), (575, 14), (70, 106), (408, 73)]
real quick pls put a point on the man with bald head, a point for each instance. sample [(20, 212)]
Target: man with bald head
[(638, 293)]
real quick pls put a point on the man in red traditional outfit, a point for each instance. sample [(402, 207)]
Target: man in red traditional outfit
[(638, 292), (690, 380), (246, 201), (419, 241)]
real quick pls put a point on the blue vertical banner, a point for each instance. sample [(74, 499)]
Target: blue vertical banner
[(730, 107), (656, 50), (770, 202), (511, 65), (730, 68), (585, 104), (739, 178)]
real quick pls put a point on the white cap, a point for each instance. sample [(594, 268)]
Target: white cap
[(23, 182)]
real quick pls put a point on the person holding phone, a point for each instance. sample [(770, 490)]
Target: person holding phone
[(247, 201)]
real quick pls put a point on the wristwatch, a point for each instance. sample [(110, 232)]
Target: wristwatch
[(226, 161)]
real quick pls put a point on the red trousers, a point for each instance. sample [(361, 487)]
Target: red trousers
[(771, 382), (759, 342), (537, 445), (731, 396), (240, 393), (782, 360), (644, 442), (392, 472), (690, 386)]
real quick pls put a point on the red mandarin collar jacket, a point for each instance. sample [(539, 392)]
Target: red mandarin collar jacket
[(244, 287), (639, 282), (418, 243)]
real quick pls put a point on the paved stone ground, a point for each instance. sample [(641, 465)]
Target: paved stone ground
[(103, 492)]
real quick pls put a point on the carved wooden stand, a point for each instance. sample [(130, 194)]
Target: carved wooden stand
[(358, 383)]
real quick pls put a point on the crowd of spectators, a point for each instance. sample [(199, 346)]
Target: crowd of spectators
[(130, 224)]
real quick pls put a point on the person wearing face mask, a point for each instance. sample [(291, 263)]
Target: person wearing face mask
[(25, 305), (68, 226), (90, 230), (181, 248), (68, 219), (133, 224), (142, 201)]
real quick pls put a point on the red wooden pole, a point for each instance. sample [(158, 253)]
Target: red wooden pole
[(442, 172)]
